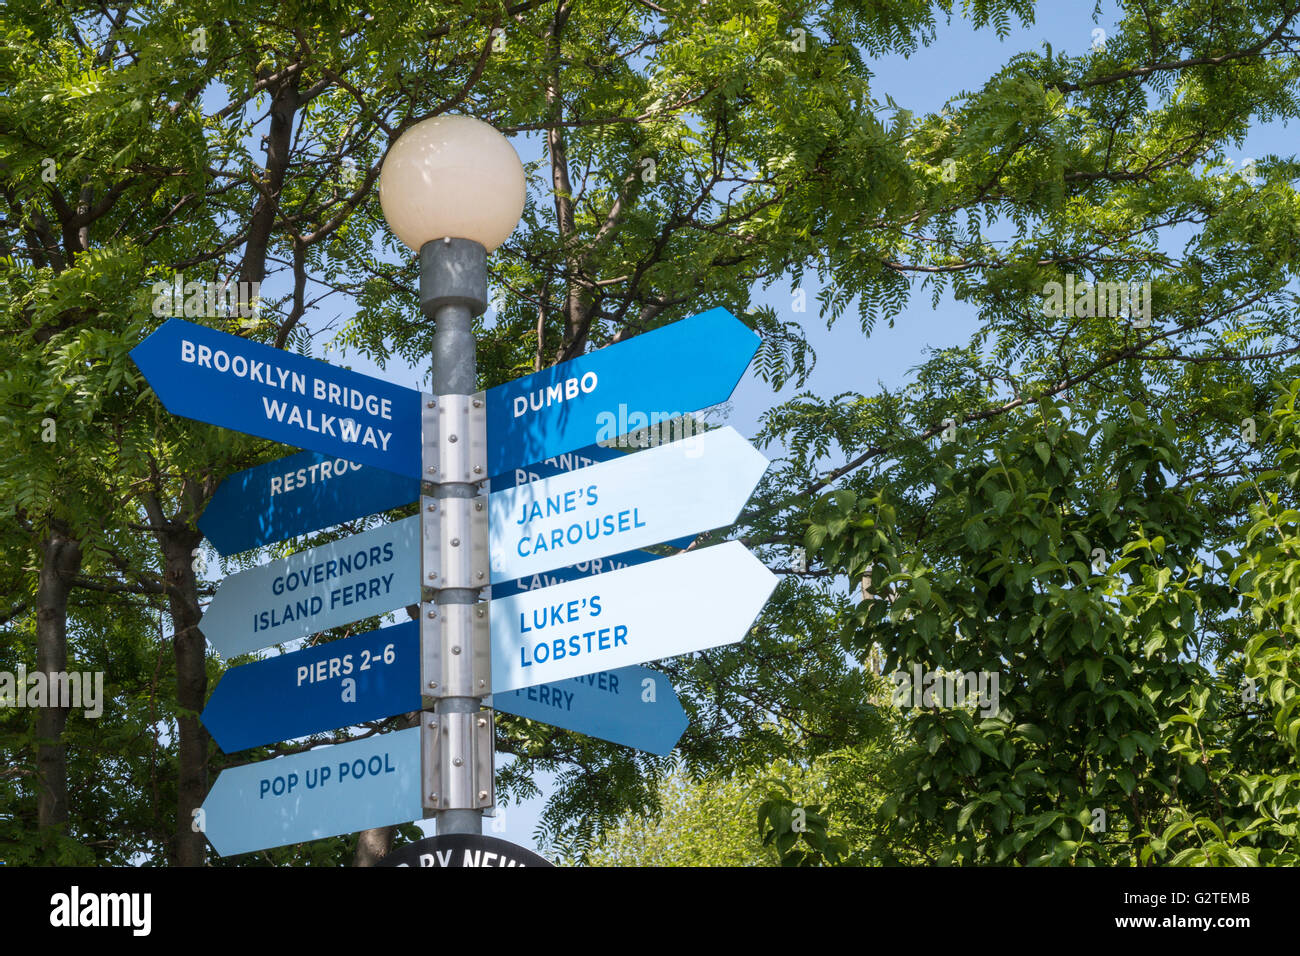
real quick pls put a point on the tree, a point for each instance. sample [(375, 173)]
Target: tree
[(223, 140)]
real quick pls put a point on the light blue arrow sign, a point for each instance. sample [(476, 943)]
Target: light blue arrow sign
[(634, 706), (640, 382), (618, 705), (226, 380), (297, 495), (638, 500), (364, 677), (689, 602), (337, 583), (343, 788)]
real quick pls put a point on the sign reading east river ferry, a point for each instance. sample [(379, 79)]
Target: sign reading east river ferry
[(463, 849)]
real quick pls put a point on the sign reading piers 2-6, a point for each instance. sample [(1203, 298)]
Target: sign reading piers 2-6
[(226, 380)]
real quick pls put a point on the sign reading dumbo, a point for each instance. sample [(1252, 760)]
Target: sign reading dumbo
[(659, 375)]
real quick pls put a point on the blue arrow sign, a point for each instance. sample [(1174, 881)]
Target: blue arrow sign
[(618, 706), (364, 677), (633, 706), (573, 572), (343, 788), (638, 500), (555, 465), (226, 380), (640, 382), (689, 602), (298, 495), (355, 577)]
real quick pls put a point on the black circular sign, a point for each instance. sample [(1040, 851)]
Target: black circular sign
[(463, 849)]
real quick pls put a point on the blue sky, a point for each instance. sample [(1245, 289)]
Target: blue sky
[(960, 59)]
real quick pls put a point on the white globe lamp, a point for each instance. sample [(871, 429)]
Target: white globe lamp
[(452, 177)]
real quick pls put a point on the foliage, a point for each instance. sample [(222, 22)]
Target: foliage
[(680, 158)]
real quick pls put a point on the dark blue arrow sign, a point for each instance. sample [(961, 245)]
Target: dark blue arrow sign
[(366, 677), (225, 380), (556, 465), (635, 384), (583, 569), (297, 495)]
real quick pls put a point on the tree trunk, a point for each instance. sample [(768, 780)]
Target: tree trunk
[(189, 647), (373, 846), (60, 561), (178, 540)]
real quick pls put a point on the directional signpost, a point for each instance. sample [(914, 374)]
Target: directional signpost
[(297, 495), (569, 652), (370, 573)]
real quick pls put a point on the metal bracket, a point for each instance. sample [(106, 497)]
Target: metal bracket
[(458, 443), (429, 437), (465, 671), (454, 542), (456, 752)]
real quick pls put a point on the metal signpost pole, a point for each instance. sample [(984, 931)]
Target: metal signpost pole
[(456, 735)]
